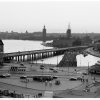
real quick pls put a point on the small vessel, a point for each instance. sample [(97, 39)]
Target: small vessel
[(95, 69)]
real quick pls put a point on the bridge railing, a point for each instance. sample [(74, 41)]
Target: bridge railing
[(43, 50)]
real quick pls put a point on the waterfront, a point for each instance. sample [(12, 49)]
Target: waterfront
[(21, 45), (32, 88)]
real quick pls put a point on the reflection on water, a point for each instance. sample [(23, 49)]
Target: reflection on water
[(86, 61), (24, 45)]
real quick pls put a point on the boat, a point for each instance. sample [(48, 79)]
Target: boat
[(95, 69)]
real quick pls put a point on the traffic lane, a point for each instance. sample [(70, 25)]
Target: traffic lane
[(19, 89)]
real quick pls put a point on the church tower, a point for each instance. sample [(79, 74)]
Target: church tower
[(68, 33), (44, 34)]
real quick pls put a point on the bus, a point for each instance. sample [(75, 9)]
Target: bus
[(18, 69)]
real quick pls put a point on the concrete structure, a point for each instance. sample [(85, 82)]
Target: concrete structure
[(69, 60), (39, 54), (44, 34), (1, 52)]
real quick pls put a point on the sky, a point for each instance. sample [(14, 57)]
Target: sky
[(19, 16)]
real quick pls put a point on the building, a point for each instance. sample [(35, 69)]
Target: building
[(44, 34), (64, 41), (1, 52), (68, 32)]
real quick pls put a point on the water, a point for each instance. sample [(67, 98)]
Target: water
[(24, 45)]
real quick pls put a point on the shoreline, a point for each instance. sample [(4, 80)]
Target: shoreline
[(92, 52)]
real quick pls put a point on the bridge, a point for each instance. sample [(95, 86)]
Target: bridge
[(39, 54)]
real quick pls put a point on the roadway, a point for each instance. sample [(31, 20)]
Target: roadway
[(42, 51)]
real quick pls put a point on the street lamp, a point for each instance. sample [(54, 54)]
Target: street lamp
[(57, 60), (88, 67), (42, 61), (42, 67), (68, 70), (26, 82)]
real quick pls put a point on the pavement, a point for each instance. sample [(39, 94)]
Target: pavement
[(32, 88)]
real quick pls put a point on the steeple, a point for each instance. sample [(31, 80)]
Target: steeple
[(69, 26), (44, 34), (44, 26), (68, 33)]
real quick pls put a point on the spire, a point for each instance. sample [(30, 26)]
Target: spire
[(69, 26), (68, 33), (44, 26), (44, 34)]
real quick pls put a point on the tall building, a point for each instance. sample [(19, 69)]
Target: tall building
[(44, 34), (1, 52), (68, 33)]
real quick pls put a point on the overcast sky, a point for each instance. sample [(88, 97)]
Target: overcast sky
[(19, 16)]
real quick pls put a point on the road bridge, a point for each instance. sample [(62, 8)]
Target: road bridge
[(39, 54)]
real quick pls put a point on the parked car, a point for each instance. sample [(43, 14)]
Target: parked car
[(41, 67), (7, 75), (57, 82), (85, 73), (23, 77), (79, 78), (55, 71), (2, 76), (73, 79), (79, 72), (51, 69)]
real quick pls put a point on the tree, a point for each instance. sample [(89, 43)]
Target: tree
[(77, 42)]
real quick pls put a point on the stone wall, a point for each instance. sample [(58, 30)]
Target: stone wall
[(69, 60)]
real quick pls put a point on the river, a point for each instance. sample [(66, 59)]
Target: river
[(25, 45)]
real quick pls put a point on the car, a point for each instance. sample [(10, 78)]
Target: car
[(51, 69), (23, 77), (41, 67), (73, 79), (85, 73), (79, 72), (55, 71), (7, 75), (57, 82), (79, 78), (2, 76), (54, 77)]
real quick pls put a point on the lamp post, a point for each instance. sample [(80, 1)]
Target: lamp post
[(88, 67), (42, 66), (26, 82), (57, 60), (42, 61), (68, 70)]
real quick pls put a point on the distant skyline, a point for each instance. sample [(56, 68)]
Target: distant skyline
[(19, 16)]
